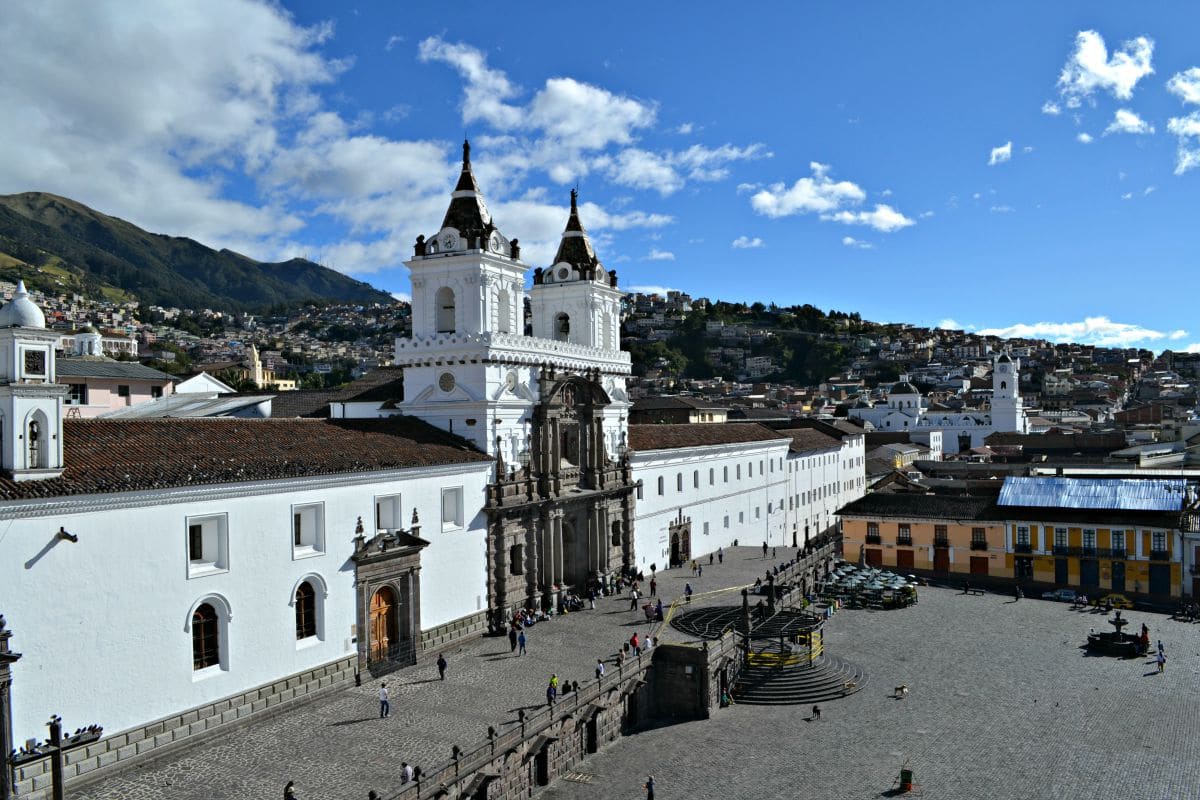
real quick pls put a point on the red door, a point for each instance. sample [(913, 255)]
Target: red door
[(941, 559), (979, 565), (904, 559), (874, 557)]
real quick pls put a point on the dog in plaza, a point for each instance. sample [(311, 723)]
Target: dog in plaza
[(900, 692)]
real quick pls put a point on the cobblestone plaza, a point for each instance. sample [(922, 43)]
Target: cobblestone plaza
[(1002, 703)]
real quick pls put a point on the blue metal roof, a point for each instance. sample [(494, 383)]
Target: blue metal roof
[(1129, 494)]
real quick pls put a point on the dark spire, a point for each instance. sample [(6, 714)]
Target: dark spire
[(574, 248), (466, 153), (468, 213)]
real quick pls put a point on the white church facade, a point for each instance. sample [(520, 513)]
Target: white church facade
[(906, 412), (252, 562)]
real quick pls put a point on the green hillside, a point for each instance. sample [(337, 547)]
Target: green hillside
[(60, 245)]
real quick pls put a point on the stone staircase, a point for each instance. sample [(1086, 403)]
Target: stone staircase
[(789, 680)]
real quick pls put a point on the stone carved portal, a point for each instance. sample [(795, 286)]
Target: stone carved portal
[(570, 515)]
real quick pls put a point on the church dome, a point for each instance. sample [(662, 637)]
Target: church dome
[(903, 387), (1004, 358), (21, 312)]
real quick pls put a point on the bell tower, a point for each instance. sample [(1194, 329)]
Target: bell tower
[(576, 299), (1008, 413), (31, 403)]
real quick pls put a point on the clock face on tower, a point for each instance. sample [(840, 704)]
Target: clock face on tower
[(446, 381), (449, 240), (35, 362)]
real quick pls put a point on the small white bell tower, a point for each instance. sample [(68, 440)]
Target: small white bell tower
[(31, 403)]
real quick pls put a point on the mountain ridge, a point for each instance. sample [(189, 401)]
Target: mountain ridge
[(90, 251)]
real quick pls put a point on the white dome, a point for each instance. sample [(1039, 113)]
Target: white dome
[(21, 312)]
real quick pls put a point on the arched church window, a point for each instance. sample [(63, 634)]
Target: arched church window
[(616, 534), (1003, 384), (679, 481), (562, 327), (35, 445), (516, 559), (206, 637), (661, 486), (504, 312), (306, 611), (443, 302)]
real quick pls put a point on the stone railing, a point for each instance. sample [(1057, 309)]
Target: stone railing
[(515, 348)]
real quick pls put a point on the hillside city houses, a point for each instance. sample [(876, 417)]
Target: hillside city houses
[(517, 435)]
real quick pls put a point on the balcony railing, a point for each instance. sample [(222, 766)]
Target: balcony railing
[(874, 538), (1088, 552), (1022, 548), (941, 541), (1117, 552), (1160, 555), (979, 545), (904, 541)]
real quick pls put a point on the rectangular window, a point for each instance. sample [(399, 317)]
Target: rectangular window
[(122, 390), (903, 533), (978, 538), (387, 512), (749, 469), (1089, 538), (78, 395), (1022, 534), (741, 517), (739, 471), (452, 508), (1118, 543), (1060, 537), (696, 479), (706, 529), (712, 477), (207, 545), (639, 491), (1158, 541), (725, 471), (156, 392), (726, 520), (308, 530), (758, 512)]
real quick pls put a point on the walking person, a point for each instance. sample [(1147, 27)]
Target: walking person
[(406, 772), (764, 549), (1160, 645), (552, 690), (700, 571), (521, 643), (512, 639), (599, 668), (1162, 661), (653, 587), (633, 598), (441, 664), (649, 787), (687, 592), (710, 559), (816, 712), (384, 707), (289, 793), (693, 566), (635, 644), (592, 598), (721, 555)]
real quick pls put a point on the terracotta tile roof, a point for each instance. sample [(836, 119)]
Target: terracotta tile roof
[(669, 437), (927, 506), (806, 439), (130, 455)]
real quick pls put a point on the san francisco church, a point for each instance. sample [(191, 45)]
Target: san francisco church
[(166, 576)]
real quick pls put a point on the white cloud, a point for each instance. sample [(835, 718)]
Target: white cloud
[(403, 297), (1090, 68), (1084, 138), (858, 244), (1051, 108), (1000, 154), (1027, 149), (685, 129), (1100, 331), (1186, 85), (669, 171), (1178, 334), (1187, 131), (486, 88), (1127, 196), (393, 41), (1126, 121), (651, 289), (949, 324), (925, 215), (659, 255), (884, 218), (743, 188), (1001, 209), (886, 193), (820, 193), (746, 243), (1192, 348), (1148, 190)]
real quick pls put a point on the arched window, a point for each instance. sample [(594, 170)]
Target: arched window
[(1003, 384), (661, 486), (206, 637), (679, 481), (696, 479), (443, 301), (306, 611), (36, 450), (562, 328)]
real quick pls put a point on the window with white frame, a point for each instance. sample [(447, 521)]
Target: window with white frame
[(1158, 541), (695, 479), (387, 512), (1118, 542), (1022, 534), (706, 529), (452, 508), (679, 481), (207, 544), (1089, 538), (725, 472), (726, 520), (741, 517), (662, 485), (1060, 537), (308, 530)]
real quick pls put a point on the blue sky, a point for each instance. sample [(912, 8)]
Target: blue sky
[(1026, 168)]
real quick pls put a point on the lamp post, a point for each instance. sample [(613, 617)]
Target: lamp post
[(7, 658)]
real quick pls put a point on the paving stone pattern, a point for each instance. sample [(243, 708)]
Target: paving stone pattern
[(1003, 703), (337, 747)]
